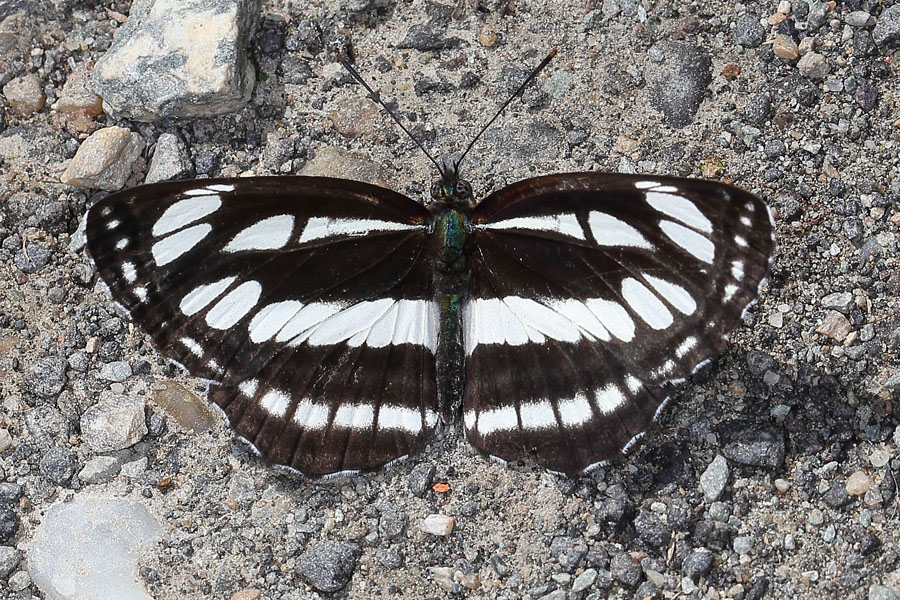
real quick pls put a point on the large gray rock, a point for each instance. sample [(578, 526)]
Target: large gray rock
[(179, 58), (89, 548)]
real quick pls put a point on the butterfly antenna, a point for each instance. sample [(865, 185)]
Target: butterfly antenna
[(521, 88), (376, 97)]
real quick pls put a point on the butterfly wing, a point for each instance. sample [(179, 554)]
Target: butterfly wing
[(590, 294), (306, 301)]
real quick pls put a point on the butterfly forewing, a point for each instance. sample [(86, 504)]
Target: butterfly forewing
[(590, 294), (307, 301)]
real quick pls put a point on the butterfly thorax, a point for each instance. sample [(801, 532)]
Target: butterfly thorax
[(450, 241)]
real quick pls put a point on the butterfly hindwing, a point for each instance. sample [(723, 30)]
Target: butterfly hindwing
[(590, 293), (307, 302)]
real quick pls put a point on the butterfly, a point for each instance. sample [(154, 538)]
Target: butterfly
[(342, 324)]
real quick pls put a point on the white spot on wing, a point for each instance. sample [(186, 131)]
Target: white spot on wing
[(614, 317), (685, 346), (200, 297), (676, 295), (168, 249), (680, 209), (122, 244), (275, 402), (581, 316), (576, 411), (697, 245), (354, 416), (311, 415), (497, 419), (565, 224), (186, 211), (128, 272), (537, 415), (609, 399), (192, 345), (248, 387), (141, 293), (324, 227), (234, 306), (610, 231), (399, 417), (270, 319), (740, 241), (269, 234), (737, 269), (730, 291), (633, 384), (645, 303)]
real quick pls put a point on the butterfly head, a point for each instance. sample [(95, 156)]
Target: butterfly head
[(450, 189)]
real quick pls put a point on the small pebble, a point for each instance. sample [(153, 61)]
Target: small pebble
[(714, 478), (584, 581), (19, 581), (879, 592), (858, 483), (813, 65), (786, 48), (440, 525), (25, 94)]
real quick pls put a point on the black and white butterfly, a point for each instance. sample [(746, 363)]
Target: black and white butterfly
[(342, 324)]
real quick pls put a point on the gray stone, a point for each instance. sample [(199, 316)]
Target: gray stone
[(840, 301), (9, 560), (19, 581), (749, 32), (714, 478), (742, 544), (756, 445), (859, 18), (114, 423), (92, 544), (625, 570), (179, 58), (678, 85), (813, 65), (25, 94), (393, 524), (46, 423), (328, 566), (696, 565), (105, 160), (47, 377), (170, 160), (32, 258), (57, 465), (9, 523), (135, 468), (118, 370), (79, 361), (758, 109), (100, 469), (419, 481), (425, 39), (879, 592), (887, 29), (584, 581)]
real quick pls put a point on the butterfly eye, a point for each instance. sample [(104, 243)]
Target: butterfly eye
[(463, 189), (437, 191)]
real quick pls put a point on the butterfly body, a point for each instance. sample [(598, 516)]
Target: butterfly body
[(340, 323)]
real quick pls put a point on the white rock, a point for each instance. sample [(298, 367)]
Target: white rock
[(441, 525), (105, 160), (88, 549), (5, 439), (114, 423), (100, 469), (179, 58)]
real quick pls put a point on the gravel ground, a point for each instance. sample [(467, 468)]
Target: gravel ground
[(773, 474)]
